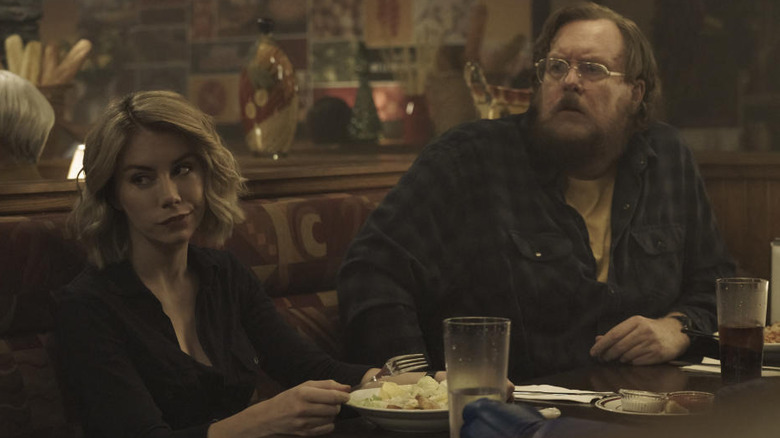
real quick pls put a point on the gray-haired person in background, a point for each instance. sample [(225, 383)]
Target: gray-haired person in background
[(26, 119)]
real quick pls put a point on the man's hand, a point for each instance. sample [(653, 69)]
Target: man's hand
[(642, 341)]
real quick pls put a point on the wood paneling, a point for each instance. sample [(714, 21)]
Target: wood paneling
[(297, 175), (744, 189), (745, 193)]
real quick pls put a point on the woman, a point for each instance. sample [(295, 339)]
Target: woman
[(163, 338)]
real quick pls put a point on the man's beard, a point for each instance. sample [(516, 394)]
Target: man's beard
[(571, 150)]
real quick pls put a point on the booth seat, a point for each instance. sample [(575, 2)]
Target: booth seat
[(295, 245)]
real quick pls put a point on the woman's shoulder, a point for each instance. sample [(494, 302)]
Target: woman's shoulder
[(83, 286), (99, 285), (87, 296)]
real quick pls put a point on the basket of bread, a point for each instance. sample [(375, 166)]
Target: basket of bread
[(41, 64)]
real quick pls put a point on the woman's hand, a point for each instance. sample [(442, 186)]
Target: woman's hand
[(305, 410)]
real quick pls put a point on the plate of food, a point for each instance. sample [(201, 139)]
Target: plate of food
[(653, 404), (772, 338), (421, 407)]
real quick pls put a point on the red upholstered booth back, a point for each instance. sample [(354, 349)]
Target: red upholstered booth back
[(294, 245)]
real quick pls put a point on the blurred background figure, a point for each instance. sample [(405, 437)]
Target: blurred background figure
[(26, 118)]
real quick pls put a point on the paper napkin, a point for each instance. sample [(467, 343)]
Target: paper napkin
[(557, 393), (709, 365)]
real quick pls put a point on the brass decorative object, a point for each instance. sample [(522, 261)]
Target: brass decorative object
[(268, 95)]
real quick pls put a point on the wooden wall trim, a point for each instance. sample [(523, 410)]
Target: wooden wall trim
[(745, 192), (739, 165), (265, 179)]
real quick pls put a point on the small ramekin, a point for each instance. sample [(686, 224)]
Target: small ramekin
[(642, 401), (694, 401)]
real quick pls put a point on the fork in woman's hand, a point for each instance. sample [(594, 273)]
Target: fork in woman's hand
[(398, 365)]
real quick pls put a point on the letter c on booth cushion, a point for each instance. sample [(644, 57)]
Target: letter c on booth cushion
[(310, 243)]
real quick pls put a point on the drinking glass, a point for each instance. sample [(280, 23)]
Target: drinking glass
[(476, 354), (742, 305)]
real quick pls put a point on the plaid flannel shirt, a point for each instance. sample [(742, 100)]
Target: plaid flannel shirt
[(479, 226)]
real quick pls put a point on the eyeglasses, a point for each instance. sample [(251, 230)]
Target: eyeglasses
[(559, 68)]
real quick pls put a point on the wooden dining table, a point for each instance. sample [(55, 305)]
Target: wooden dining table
[(601, 377)]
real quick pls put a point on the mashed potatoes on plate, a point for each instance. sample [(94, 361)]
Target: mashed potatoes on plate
[(772, 334), (427, 393)]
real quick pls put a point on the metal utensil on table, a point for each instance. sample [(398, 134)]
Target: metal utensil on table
[(397, 365), (699, 334), (568, 393), (703, 343)]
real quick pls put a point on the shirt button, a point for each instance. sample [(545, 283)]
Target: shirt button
[(660, 244), (255, 360), (642, 161), (538, 254), (626, 206)]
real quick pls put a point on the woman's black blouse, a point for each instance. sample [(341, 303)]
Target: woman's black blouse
[(123, 363)]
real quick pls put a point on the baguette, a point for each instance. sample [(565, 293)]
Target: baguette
[(51, 57), (31, 62), (13, 53), (66, 71)]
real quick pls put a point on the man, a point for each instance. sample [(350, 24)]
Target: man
[(26, 118), (583, 221)]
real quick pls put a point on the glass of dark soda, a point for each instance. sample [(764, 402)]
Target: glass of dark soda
[(742, 305)]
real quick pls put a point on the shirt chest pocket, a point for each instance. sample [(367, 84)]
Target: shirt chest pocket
[(658, 261), (542, 247), (547, 275)]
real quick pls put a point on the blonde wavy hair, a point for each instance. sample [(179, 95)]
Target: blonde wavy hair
[(102, 228)]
